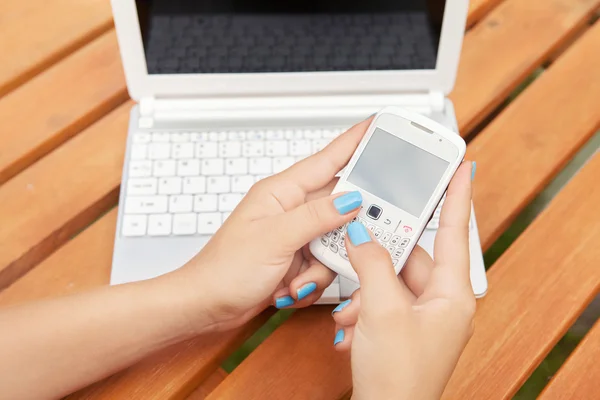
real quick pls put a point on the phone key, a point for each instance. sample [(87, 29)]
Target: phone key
[(395, 261), (395, 240), (230, 149), (378, 232), (179, 137), (276, 135), (209, 223), (404, 242), (276, 148), (194, 184), (160, 137), (312, 134), (371, 227), (386, 237), (145, 204), (134, 225), (206, 150), (256, 135), (184, 224), (333, 247), (237, 135), (300, 147), (205, 202), (390, 249), (398, 253), (253, 149), (159, 224), (328, 234), (343, 241), (324, 241), (362, 221), (282, 163), (236, 166), (260, 166), (180, 204), (171, 185), (341, 228), (344, 254), (335, 236)]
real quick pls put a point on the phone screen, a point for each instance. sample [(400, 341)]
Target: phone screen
[(398, 172)]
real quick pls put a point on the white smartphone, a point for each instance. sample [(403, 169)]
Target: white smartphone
[(402, 167)]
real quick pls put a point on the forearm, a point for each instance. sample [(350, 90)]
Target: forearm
[(51, 348)]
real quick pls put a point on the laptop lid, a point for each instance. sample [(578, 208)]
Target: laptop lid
[(222, 48)]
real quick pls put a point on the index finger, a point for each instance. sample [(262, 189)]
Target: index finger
[(451, 247), (316, 171)]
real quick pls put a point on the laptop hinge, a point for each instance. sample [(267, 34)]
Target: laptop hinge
[(282, 107), (437, 99)]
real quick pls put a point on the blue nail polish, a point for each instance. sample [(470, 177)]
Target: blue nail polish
[(358, 234), (339, 337), (348, 202), (341, 306), (284, 301), (473, 169), (306, 290)]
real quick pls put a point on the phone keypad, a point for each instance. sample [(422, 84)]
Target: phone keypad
[(394, 244)]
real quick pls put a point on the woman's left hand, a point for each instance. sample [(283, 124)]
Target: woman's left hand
[(260, 255)]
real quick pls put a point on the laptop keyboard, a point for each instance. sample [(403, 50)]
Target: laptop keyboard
[(187, 183), (238, 43)]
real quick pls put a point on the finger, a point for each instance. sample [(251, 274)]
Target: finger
[(317, 170), (346, 313), (308, 286), (342, 341), (417, 270), (379, 284), (310, 220), (451, 247), (322, 192)]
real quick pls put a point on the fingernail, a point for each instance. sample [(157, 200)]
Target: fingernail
[(341, 306), (473, 169), (306, 290), (358, 233), (339, 337), (284, 301), (348, 202)]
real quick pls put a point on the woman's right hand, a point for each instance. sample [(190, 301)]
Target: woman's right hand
[(406, 333)]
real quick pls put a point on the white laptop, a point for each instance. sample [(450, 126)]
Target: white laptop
[(230, 92)]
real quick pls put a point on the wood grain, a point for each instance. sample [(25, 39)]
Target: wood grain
[(46, 204), (563, 106), (479, 8), (579, 377), (58, 103), (540, 132), (85, 262), (538, 288), (201, 392), (37, 33), (506, 46)]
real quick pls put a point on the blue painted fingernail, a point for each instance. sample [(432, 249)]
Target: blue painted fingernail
[(473, 169), (306, 290), (358, 233), (339, 337), (284, 301), (341, 306), (348, 202)]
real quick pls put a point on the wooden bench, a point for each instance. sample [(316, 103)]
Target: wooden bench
[(65, 111)]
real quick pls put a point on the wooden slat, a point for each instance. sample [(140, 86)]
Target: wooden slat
[(517, 155), (506, 46), (85, 262), (36, 33), (59, 102), (478, 8), (60, 194), (579, 377), (201, 392), (538, 288)]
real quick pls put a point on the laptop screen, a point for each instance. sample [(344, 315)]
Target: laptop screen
[(249, 36)]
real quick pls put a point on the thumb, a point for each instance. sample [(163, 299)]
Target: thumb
[(379, 284), (317, 217)]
